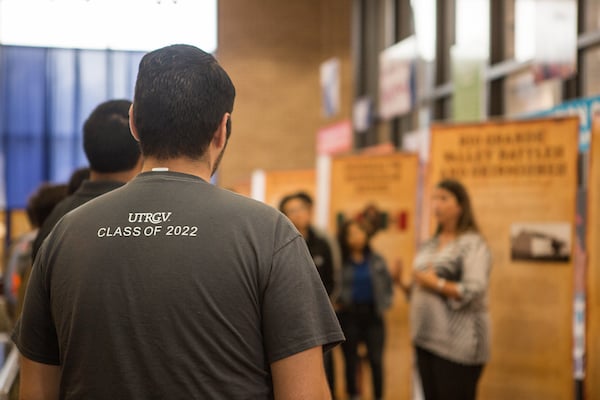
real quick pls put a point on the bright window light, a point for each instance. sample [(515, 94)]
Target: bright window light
[(524, 30), (473, 26), (109, 24), (424, 12)]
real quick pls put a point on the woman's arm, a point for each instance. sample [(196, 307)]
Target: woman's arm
[(476, 264), (429, 280), (476, 267), (398, 279)]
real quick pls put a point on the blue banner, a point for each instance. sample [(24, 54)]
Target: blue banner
[(584, 108)]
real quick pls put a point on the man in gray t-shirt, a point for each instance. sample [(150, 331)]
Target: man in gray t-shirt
[(169, 287)]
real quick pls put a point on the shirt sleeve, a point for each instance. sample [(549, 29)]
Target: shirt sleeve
[(476, 266), (296, 311), (34, 333)]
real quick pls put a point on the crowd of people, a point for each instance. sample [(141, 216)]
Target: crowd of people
[(204, 293)]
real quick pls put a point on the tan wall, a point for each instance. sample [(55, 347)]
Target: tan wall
[(273, 50)]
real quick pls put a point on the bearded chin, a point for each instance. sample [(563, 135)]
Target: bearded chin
[(218, 160)]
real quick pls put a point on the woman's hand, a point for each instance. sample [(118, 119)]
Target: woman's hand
[(397, 272), (427, 278), (397, 276)]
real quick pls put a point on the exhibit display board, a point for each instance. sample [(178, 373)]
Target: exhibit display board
[(19, 224), (383, 187), (281, 183), (522, 178), (592, 370)]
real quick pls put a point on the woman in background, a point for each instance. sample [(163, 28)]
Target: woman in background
[(366, 292), (449, 314)]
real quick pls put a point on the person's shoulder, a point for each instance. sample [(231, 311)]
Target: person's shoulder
[(61, 208), (472, 238), (59, 211), (77, 204), (321, 235), (427, 243), (256, 216), (377, 257), (244, 207)]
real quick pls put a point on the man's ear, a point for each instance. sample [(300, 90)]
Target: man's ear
[(221, 135), (132, 127)]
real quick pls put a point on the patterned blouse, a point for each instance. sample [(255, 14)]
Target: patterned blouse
[(457, 330)]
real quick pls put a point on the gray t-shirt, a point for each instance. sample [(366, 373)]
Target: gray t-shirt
[(171, 288)]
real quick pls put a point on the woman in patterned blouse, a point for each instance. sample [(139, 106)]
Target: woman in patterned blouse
[(448, 295)]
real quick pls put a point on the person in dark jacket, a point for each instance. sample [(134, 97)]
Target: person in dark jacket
[(366, 293), (325, 253), (114, 158)]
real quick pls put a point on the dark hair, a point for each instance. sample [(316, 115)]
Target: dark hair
[(466, 221), (302, 196), (107, 140), (77, 178), (181, 95), (41, 203), (343, 237)]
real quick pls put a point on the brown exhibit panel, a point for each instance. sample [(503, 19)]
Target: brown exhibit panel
[(281, 183), (592, 372), (19, 223), (522, 178), (389, 183)]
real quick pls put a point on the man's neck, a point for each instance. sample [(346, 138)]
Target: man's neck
[(123, 176), (199, 168)]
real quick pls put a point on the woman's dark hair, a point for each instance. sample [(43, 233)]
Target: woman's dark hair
[(466, 221), (343, 237), (181, 96), (41, 202)]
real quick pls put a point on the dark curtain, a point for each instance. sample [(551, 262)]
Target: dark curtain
[(45, 96)]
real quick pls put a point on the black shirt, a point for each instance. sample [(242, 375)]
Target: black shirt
[(322, 255), (87, 191)]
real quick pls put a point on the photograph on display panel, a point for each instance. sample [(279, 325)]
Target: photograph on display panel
[(541, 241)]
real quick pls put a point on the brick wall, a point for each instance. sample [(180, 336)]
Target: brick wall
[(272, 50)]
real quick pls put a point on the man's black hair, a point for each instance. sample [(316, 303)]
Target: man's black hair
[(303, 196), (181, 95), (107, 140)]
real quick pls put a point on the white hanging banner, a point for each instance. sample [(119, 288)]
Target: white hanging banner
[(330, 87), (555, 54), (362, 115), (397, 66)]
